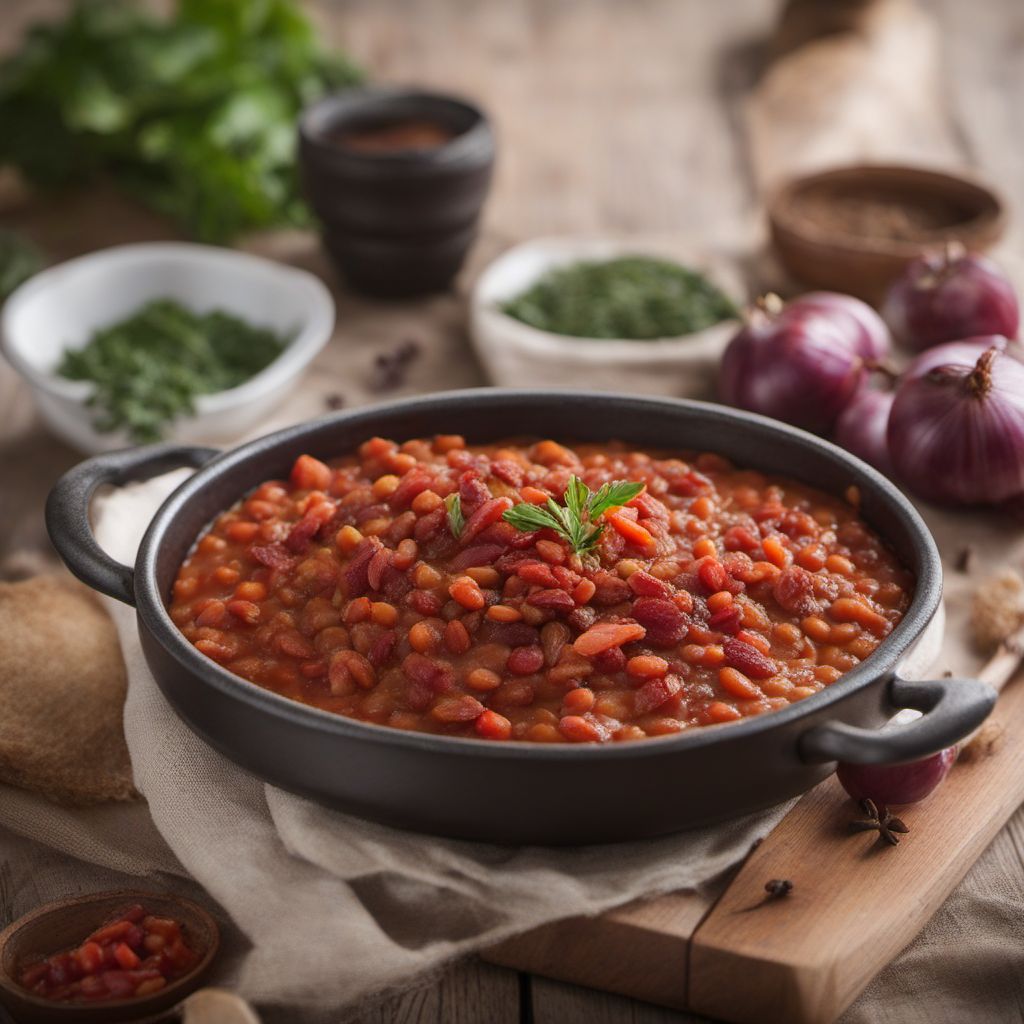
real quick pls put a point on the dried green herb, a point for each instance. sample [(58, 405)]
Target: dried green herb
[(148, 369), (634, 297)]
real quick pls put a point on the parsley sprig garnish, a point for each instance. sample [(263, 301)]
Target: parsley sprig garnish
[(576, 520), (456, 520)]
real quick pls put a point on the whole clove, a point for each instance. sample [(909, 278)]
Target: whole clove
[(390, 369)]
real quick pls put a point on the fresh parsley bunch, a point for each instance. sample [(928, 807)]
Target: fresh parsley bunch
[(194, 114)]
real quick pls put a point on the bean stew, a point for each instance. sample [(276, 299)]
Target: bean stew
[(390, 587)]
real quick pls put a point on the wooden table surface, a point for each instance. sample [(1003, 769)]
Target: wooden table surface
[(611, 117)]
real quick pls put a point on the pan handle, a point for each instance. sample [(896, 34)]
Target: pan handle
[(951, 708), (67, 509)]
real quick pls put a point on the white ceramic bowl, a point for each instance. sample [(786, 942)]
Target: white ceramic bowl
[(62, 307), (515, 354)]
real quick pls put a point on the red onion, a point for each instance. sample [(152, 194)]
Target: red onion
[(798, 364), (868, 328), (944, 296), (896, 783), (862, 425), (964, 353), (956, 432)]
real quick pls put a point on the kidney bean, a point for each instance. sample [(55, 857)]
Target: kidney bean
[(539, 573), (557, 600), (456, 637), (610, 661), (727, 619), (656, 692), (524, 661), (553, 638), (425, 602), (457, 709), (664, 623), (512, 634), (609, 590), (748, 659), (643, 584), (381, 648), (476, 555)]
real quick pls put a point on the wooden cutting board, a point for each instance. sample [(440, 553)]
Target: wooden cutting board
[(856, 902)]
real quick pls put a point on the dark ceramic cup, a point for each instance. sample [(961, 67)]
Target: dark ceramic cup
[(396, 222)]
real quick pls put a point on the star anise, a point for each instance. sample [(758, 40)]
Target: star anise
[(882, 821)]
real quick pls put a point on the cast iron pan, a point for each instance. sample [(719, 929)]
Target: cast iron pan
[(520, 792)]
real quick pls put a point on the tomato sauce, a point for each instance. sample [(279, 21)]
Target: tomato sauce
[(714, 594)]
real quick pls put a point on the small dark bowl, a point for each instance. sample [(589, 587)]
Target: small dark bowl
[(65, 923), (825, 255), (399, 222)]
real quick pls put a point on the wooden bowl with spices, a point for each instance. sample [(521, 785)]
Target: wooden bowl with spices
[(853, 229)]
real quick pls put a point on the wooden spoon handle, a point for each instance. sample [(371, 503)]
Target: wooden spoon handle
[(997, 672), (1002, 666)]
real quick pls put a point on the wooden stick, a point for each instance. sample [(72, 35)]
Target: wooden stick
[(997, 672), (1000, 668)]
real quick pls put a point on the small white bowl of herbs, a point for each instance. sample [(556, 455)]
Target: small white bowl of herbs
[(163, 341), (603, 314)]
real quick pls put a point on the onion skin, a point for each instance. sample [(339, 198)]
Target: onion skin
[(888, 784), (862, 428), (944, 296), (870, 333), (956, 432), (961, 353), (799, 365)]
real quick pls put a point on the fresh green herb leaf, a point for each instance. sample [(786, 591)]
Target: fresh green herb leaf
[(148, 369), (619, 492), (575, 521), (631, 297), (527, 517), (194, 114), (577, 495), (456, 520)]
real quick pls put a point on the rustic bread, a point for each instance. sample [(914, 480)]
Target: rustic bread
[(62, 691)]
